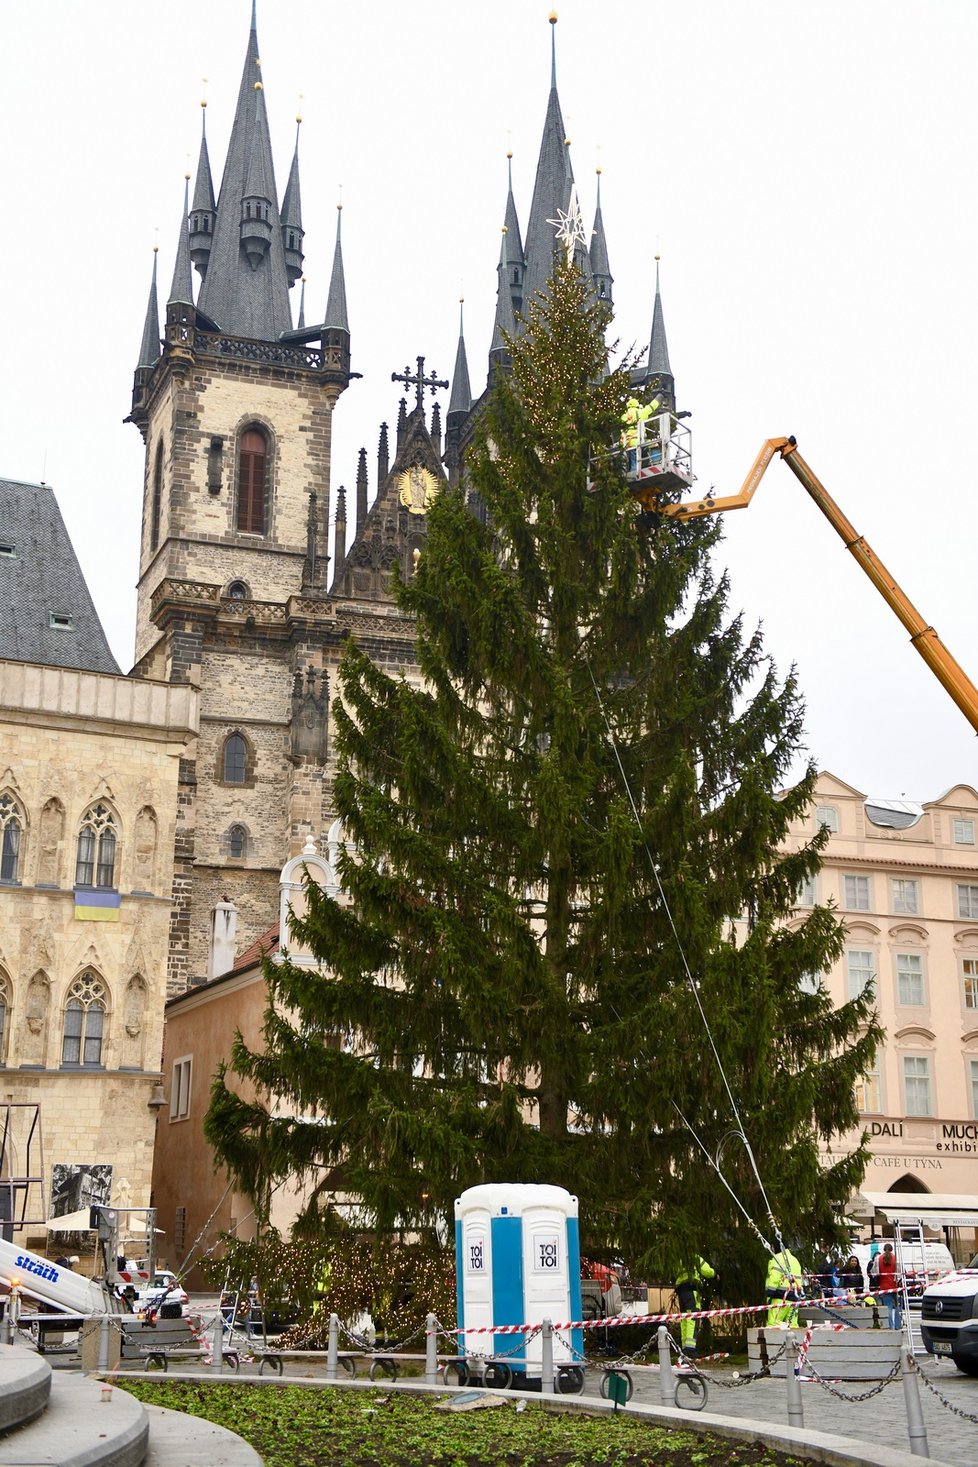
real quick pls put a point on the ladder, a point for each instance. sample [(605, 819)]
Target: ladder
[(22, 1201), (908, 1238)]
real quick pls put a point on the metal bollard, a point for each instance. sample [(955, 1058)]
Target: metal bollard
[(667, 1383), (796, 1417), (333, 1347), (547, 1360), (103, 1344), (431, 1348), (217, 1345), (916, 1430)]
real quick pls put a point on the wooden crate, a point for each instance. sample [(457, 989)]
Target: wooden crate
[(847, 1354)]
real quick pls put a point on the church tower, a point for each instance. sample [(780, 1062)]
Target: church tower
[(235, 409)]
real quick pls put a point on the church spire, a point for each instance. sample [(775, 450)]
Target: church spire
[(505, 324), (551, 192), (202, 211), (292, 230), (336, 325), (182, 288), (461, 396), (336, 316), (149, 347), (598, 254), (459, 403), (514, 243), (246, 288), (658, 371)]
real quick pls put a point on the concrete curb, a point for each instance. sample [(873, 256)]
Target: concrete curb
[(810, 1446)]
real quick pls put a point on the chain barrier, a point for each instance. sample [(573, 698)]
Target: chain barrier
[(378, 1348), (514, 1349), (949, 1405), (831, 1387)]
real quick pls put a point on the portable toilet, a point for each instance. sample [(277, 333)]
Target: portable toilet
[(518, 1261)]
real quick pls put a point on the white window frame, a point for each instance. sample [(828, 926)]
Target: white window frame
[(909, 977), (870, 968), (860, 886), (827, 816), (973, 1087), (966, 899), (964, 832), (905, 892), (807, 893), (923, 1102), (969, 984), (181, 1085), (869, 1091)]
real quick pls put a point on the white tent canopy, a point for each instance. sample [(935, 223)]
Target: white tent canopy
[(80, 1222)]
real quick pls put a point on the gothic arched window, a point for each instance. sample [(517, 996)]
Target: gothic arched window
[(84, 1025), (95, 865), (157, 510), (252, 480), (237, 842), (234, 763), (11, 831)]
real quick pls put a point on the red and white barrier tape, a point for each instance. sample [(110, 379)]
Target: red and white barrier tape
[(618, 1320)]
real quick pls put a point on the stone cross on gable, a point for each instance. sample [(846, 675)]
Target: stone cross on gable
[(419, 381)]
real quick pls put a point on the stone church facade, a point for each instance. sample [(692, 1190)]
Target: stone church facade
[(239, 594)]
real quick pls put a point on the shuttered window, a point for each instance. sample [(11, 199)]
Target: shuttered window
[(252, 465)]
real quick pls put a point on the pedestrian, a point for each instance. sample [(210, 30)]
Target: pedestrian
[(851, 1277), (634, 414), (889, 1284), (689, 1298), (784, 1285)]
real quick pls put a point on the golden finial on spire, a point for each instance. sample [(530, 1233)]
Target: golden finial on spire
[(510, 153), (658, 258), (258, 86), (552, 17)]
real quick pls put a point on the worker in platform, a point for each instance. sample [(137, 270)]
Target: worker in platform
[(635, 413), (784, 1287), (688, 1295)]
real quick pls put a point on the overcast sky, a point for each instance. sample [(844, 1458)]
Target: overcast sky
[(807, 173)]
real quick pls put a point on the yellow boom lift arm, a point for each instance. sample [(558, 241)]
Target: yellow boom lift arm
[(922, 636)]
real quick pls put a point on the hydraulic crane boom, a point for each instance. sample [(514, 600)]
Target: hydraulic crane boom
[(922, 636)]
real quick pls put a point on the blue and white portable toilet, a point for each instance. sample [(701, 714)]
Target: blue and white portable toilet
[(518, 1261)]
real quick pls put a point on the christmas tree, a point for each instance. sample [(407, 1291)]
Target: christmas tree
[(565, 953)]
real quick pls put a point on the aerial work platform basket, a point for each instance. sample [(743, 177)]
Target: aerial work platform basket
[(657, 457)]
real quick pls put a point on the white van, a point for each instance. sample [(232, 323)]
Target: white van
[(949, 1318)]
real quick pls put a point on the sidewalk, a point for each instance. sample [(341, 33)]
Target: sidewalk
[(881, 1420)]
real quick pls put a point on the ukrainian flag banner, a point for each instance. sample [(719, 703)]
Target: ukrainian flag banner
[(97, 906)]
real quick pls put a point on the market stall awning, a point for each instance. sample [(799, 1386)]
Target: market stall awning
[(933, 1209)]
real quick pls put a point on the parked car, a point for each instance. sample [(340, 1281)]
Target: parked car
[(949, 1318), (163, 1293)]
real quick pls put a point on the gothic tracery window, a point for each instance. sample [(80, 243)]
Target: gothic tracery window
[(4, 1013), (234, 762), (11, 831), (95, 865), (84, 1023)]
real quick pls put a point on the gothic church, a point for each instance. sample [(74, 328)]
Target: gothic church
[(240, 594)]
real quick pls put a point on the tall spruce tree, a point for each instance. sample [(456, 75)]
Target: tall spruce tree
[(553, 841)]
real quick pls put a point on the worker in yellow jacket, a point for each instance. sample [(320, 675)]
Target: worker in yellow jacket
[(635, 412), (688, 1295), (783, 1284)]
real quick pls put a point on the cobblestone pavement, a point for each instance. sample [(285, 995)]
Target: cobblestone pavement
[(881, 1420)]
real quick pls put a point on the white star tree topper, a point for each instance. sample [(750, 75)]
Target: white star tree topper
[(569, 226)]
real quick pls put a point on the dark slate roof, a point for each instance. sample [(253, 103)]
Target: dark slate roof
[(551, 193), (514, 240), (203, 187), (336, 317), (461, 398), (240, 300), (149, 350), (182, 288), (292, 201), (598, 253), (658, 346), (40, 578)]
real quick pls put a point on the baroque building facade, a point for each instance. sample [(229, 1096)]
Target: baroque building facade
[(904, 879)]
